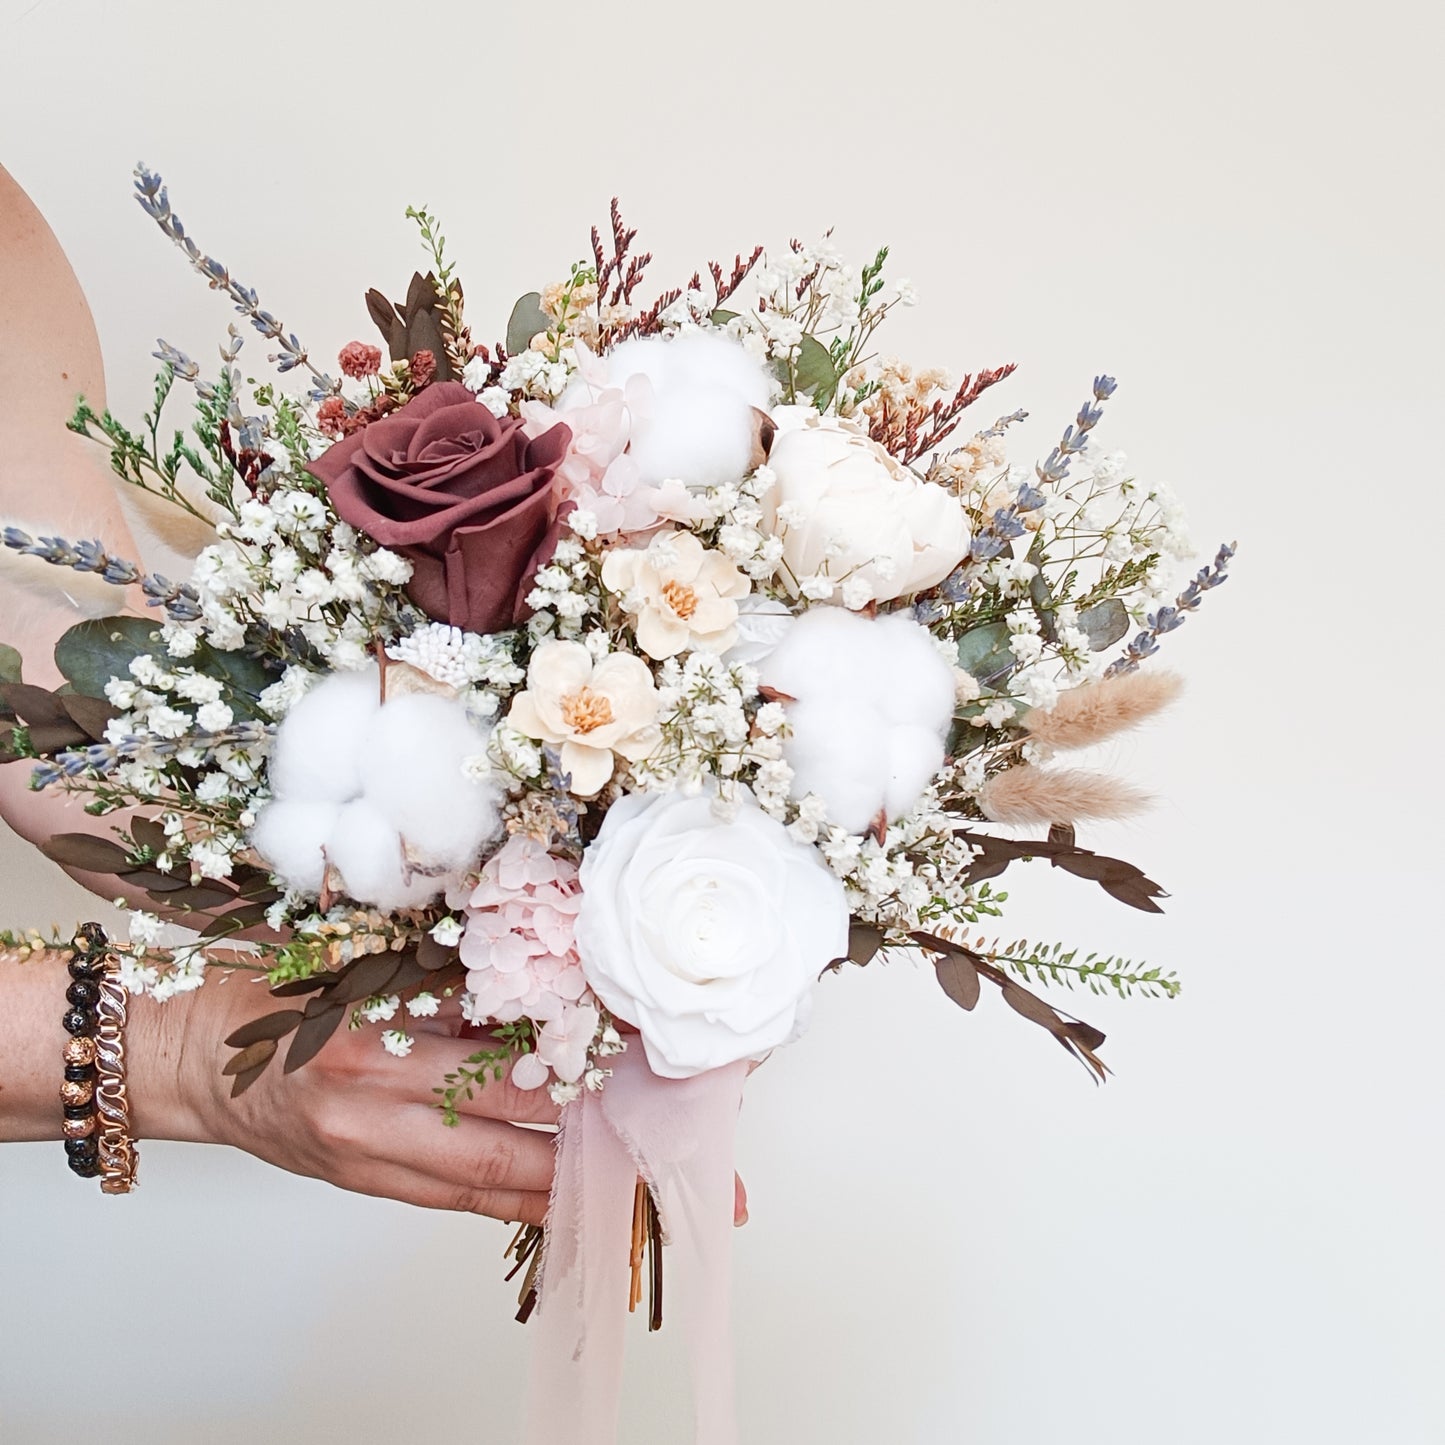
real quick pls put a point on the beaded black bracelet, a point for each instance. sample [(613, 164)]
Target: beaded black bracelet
[(80, 1123)]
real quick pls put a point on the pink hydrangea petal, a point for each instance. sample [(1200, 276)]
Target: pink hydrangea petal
[(529, 1072)]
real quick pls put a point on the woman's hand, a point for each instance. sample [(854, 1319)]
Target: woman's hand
[(354, 1115)]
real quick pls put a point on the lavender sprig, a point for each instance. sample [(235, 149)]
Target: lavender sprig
[(179, 599), (104, 758), (1055, 467), (1166, 619), (150, 192)]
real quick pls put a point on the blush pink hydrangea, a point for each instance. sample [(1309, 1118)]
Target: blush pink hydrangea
[(520, 949)]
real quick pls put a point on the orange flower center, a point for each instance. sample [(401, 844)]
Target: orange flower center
[(585, 710), (682, 599)]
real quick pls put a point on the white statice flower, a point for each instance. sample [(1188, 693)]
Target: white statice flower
[(135, 976)]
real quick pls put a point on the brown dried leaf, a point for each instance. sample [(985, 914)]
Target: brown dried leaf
[(864, 941), (253, 1055), (1031, 1006), (248, 915), (87, 853), (155, 882), (311, 1036), (272, 1026), (431, 955), (34, 706), (294, 988), (89, 713), (366, 976), (243, 1081), (50, 738), (195, 897), (149, 834), (958, 978)]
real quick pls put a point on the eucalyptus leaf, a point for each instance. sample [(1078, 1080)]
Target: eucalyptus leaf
[(1043, 601), (984, 652), (91, 653), (9, 664), (244, 677), (721, 316), (526, 321), (1104, 623), (813, 371)]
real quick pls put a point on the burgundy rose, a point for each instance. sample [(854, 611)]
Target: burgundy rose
[(467, 497)]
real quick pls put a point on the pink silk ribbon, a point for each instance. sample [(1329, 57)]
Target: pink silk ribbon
[(678, 1135)]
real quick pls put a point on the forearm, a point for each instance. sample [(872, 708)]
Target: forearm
[(32, 1001)]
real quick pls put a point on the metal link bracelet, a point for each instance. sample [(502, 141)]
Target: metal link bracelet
[(119, 1156)]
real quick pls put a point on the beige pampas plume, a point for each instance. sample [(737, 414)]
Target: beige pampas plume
[(169, 538), (1097, 710), (1027, 794)]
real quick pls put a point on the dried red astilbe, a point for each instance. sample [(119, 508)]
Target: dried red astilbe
[(358, 360)]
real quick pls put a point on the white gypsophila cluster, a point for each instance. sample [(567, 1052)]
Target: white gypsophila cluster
[(166, 706), (290, 565), (459, 659), (379, 794), (703, 716), (567, 589), (869, 704), (536, 375), (912, 878)]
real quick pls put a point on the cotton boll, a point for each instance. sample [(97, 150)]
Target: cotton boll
[(841, 754), (366, 850), (318, 748), (917, 684), (872, 704), (698, 425), (696, 434), (721, 363), (290, 837), (915, 754), (412, 775)]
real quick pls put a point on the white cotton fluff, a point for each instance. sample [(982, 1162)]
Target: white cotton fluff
[(698, 427), (292, 836), (318, 749), (377, 791), (366, 850), (412, 772), (873, 703)]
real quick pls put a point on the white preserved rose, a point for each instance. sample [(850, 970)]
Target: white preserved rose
[(849, 511), (706, 934)]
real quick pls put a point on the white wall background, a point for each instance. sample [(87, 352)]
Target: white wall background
[(1233, 207)]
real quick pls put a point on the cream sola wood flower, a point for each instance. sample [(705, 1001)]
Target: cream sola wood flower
[(593, 711), (374, 799), (679, 594)]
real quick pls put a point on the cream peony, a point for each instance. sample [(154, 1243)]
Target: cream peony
[(706, 934), (849, 511), (591, 709), (679, 594)]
